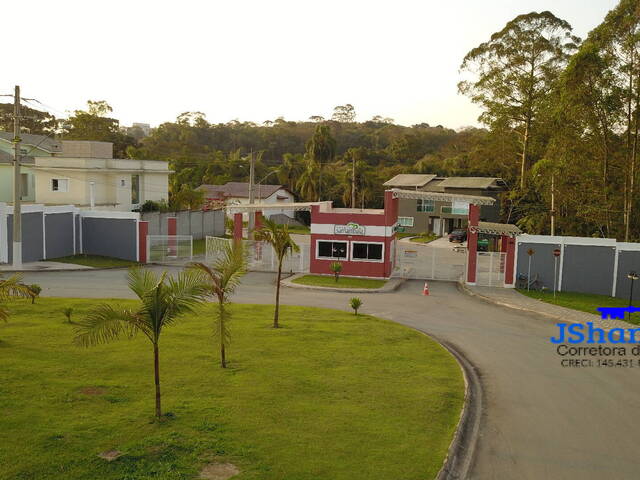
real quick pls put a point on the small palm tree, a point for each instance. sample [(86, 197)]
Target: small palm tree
[(336, 268), (355, 303), (10, 288), (220, 281), (35, 292), (278, 237), (67, 313), (162, 301)]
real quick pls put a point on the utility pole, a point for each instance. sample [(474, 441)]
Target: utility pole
[(17, 194), (553, 204), (252, 173)]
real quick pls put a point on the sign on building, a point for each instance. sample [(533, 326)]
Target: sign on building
[(350, 228)]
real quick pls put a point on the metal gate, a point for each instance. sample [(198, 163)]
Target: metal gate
[(490, 269), (440, 261)]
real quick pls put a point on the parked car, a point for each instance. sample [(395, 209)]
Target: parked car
[(458, 235)]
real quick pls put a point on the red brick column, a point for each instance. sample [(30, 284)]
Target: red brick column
[(504, 239), (237, 226), (143, 231), (510, 262), (258, 221), (472, 243), (172, 229)]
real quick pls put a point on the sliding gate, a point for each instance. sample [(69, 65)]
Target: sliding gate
[(440, 261)]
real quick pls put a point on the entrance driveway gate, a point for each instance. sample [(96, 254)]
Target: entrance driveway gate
[(438, 260)]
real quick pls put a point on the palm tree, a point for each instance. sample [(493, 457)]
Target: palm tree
[(307, 183), (162, 301), (11, 287), (321, 148), (278, 237), (220, 280)]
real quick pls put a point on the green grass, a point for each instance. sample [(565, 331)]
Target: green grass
[(328, 396), (424, 238), (343, 282), (96, 261), (299, 229), (584, 302)]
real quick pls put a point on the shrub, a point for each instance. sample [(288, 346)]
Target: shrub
[(67, 313), (355, 303), (336, 268), (34, 290)]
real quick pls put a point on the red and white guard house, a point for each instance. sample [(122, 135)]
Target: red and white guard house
[(362, 240)]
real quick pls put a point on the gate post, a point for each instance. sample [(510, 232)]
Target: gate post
[(143, 231), (237, 227), (472, 243), (172, 230)]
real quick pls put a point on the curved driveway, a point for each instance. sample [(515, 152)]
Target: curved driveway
[(540, 421)]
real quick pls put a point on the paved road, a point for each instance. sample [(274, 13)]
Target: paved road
[(540, 421)]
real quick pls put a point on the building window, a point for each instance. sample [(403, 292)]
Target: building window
[(367, 252), (59, 185), (425, 205), (135, 189), (405, 221), (24, 185), (123, 182), (458, 208), (331, 250)]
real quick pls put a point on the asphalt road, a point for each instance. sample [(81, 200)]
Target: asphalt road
[(540, 420)]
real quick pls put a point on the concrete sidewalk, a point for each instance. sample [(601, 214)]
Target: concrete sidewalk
[(43, 266), (509, 297)]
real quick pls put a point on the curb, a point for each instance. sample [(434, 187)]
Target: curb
[(385, 289), (461, 453), (88, 269)]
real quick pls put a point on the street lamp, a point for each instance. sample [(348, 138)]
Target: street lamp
[(633, 276)]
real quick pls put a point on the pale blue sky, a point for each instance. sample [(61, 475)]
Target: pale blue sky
[(257, 60)]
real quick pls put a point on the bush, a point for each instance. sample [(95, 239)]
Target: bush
[(35, 290), (355, 303), (336, 268), (67, 313)]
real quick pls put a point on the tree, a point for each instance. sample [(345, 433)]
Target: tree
[(344, 114), (308, 184), (93, 124), (35, 290), (11, 287), (336, 269), (278, 237), (316, 118), (321, 148), (162, 301), (187, 198), (355, 303), (220, 281), (515, 72)]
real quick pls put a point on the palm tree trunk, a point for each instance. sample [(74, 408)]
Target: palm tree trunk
[(277, 311), (156, 367), (223, 358)]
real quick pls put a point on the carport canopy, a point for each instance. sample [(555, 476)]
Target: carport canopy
[(443, 197), (491, 228), (258, 207)]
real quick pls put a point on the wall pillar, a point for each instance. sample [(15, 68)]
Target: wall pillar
[(258, 221), (237, 227), (143, 231), (472, 243), (510, 262), (504, 241)]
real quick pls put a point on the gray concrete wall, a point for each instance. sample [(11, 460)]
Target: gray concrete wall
[(110, 237), (588, 269), (542, 262), (32, 240), (58, 234), (628, 261), (78, 221)]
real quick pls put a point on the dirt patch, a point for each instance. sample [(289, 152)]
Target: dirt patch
[(110, 455), (219, 471), (93, 391)]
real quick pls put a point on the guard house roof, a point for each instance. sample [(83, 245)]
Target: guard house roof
[(483, 183), (443, 197), (409, 180)]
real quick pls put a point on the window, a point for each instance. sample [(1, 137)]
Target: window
[(371, 252), (24, 185), (135, 189), (458, 208), (331, 250), (405, 221), (425, 205), (59, 185), (123, 182)]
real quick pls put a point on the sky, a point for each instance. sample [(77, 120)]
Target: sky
[(259, 60)]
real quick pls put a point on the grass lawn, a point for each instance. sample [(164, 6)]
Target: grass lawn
[(343, 282), (328, 396), (424, 238), (299, 229), (95, 261), (584, 302)]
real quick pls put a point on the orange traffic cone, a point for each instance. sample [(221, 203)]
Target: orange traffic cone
[(425, 290)]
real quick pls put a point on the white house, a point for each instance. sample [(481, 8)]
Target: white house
[(83, 173), (237, 193)]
